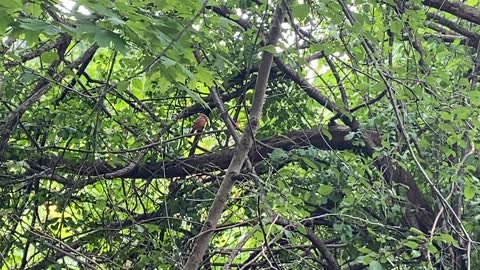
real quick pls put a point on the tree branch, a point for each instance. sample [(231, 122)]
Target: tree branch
[(312, 92), (319, 244), (205, 163), (242, 149), (452, 25), (458, 9)]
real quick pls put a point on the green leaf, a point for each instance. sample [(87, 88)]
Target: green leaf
[(364, 250), (446, 127), (122, 86), (469, 191), (349, 136), (167, 61), (309, 163), (432, 249), (447, 238), (416, 253), (363, 87), (39, 26), (11, 4), (326, 132), (5, 21), (195, 96), (301, 11), (104, 38), (49, 57), (456, 41), (375, 265), (269, 48), (325, 190), (416, 231), (301, 229), (396, 26), (205, 75), (278, 155), (411, 244)]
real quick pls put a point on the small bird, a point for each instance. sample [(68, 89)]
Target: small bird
[(199, 123)]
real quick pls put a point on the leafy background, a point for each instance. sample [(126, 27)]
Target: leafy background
[(98, 98)]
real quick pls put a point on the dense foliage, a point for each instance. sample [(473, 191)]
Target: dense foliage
[(365, 155)]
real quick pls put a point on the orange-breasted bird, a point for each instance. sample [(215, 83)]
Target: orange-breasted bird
[(199, 123)]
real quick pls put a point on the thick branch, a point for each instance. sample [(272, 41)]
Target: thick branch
[(213, 161), (458, 9), (38, 51), (453, 26)]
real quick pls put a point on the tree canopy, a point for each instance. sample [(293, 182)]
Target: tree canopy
[(339, 134)]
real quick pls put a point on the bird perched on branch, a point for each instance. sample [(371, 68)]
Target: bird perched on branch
[(199, 123), (197, 128)]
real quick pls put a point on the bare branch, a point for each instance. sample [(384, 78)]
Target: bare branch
[(312, 92), (319, 244)]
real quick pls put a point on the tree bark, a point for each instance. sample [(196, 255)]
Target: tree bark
[(458, 9), (242, 149)]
